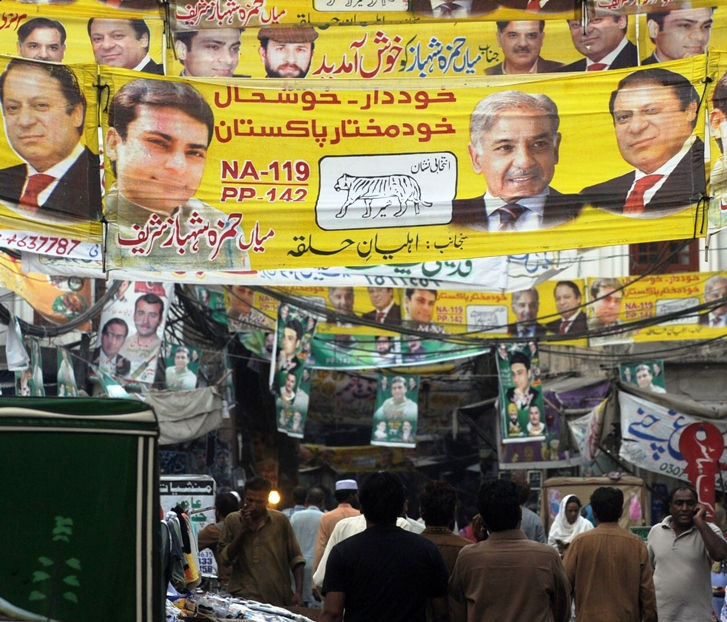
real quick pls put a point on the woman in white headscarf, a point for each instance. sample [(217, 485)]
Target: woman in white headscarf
[(567, 524)]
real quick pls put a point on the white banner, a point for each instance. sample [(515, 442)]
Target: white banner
[(651, 435), (587, 431), (494, 274)]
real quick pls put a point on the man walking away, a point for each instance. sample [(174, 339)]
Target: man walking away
[(609, 567)]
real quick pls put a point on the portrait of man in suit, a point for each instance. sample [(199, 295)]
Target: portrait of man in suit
[(41, 38), (678, 34), (521, 394), (525, 306), (122, 43), (606, 298), (44, 110), (718, 174), (654, 112), (106, 356), (385, 310), (453, 9), (210, 53), (157, 144), (603, 42), (514, 143), (568, 302), (521, 43), (419, 307), (715, 288)]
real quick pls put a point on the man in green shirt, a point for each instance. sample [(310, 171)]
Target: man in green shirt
[(260, 545)]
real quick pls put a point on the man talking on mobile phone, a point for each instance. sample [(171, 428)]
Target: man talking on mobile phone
[(680, 549), (260, 545)]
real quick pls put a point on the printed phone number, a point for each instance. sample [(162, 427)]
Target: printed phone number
[(51, 245), (671, 469)]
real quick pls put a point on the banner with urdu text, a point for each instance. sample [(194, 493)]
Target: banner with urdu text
[(382, 175)]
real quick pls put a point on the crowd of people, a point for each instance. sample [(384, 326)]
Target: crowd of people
[(366, 560)]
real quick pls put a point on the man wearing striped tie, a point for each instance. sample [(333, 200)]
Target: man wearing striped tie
[(654, 112), (514, 143)]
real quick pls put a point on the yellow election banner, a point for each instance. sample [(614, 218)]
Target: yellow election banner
[(623, 310), (59, 31), (50, 193), (551, 308), (717, 108), (243, 13), (305, 174), (372, 51)]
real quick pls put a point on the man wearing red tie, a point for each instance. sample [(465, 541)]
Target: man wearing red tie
[(654, 112), (603, 42), (44, 109), (568, 302), (385, 311)]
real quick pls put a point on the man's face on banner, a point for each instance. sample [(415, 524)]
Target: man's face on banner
[(420, 306), (213, 53), (602, 35), (608, 306), (160, 163), (40, 127), (526, 307), (520, 376), (684, 33), (650, 126), (521, 43), (715, 291), (290, 382), (43, 44), (643, 378), (341, 299), (398, 391), (290, 342), (116, 43), (534, 415), (147, 318), (566, 301), (112, 339), (286, 60), (517, 155), (381, 297)]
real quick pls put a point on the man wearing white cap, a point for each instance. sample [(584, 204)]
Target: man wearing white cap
[(347, 497)]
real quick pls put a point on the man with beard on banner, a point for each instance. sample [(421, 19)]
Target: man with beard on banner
[(514, 142), (157, 142), (287, 52), (654, 113), (44, 110), (521, 43)]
